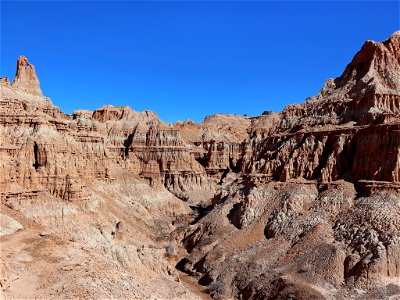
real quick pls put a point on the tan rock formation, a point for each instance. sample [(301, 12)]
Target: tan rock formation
[(313, 212), (216, 143), (329, 136), (300, 204), (25, 79), (86, 224)]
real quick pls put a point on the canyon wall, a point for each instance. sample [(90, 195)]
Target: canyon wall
[(313, 211), (302, 203)]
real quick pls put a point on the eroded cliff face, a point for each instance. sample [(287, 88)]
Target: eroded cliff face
[(46, 149), (313, 212), (353, 118), (83, 198), (301, 204)]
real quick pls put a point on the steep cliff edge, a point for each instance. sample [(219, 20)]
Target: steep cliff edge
[(327, 138)]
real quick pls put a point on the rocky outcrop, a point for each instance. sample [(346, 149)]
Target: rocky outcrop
[(216, 143), (329, 136), (312, 212), (367, 88), (46, 149), (299, 204), (25, 79), (75, 198)]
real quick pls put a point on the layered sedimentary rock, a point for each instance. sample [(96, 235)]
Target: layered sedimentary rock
[(313, 212), (87, 144), (216, 143), (354, 117), (46, 149), (299, 204), (76, 200)]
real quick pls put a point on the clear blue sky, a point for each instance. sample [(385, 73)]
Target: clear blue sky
[(188, 59)]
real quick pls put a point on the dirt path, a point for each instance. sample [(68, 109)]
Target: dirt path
[(16, 266), (191, 284)]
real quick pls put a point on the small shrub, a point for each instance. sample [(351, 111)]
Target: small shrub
[(266, 112), (216, 287), (170, 249)]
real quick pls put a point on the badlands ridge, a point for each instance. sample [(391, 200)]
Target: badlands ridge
[(114, 203)]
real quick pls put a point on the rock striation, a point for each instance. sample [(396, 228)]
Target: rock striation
[(299, 204), (327, 138), (312, 212)]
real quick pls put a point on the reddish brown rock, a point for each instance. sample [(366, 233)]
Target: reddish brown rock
[(329, 136), (313, 212), (299, 204), (25, 79)]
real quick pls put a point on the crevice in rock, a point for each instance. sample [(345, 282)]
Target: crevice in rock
[(127, 144), (328, 149), (199, 267), (36, 164), (181, 265), (224, 174), (206, 279), (234, 215), (200, 212), (235, 167), (202, 160)]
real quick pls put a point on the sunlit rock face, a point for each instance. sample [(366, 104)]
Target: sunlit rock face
[(25, 79), (313, 212), (302, 204), (353, 118)]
